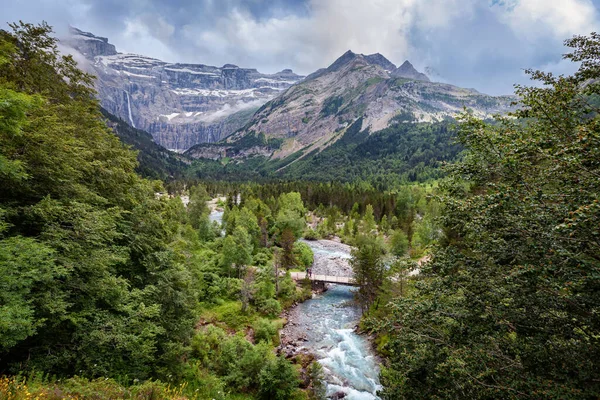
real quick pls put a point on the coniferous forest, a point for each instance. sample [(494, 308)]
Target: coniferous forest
[(475, 247)]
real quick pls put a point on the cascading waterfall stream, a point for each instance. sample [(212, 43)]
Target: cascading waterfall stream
[(129, 109), (348, 361)]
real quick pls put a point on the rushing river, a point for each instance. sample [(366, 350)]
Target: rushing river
[(328, 321)]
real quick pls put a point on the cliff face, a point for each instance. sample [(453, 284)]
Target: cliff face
[(179, 104)]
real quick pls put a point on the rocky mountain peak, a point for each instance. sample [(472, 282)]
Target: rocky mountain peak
[(407, 71), (370, 59), (89, 44), (343, 60), (378, 59)]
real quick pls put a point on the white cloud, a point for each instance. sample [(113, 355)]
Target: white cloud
[(332, 27), (535, 19), (147, 35), (481, 43), (230, 109)]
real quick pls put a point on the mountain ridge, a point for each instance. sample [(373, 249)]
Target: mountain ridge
[(316, 112), (180, 104)]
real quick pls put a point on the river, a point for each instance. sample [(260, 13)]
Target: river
[(324, 326)]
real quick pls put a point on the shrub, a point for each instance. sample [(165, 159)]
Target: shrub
[(264, 331), (278, 380), (270, 308), (206, 342), (240, 362), (311, 234), (287, 287), (399, 243)]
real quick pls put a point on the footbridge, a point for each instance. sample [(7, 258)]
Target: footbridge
[(340, 280)]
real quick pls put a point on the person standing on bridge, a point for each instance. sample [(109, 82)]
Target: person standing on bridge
[(309, 270)]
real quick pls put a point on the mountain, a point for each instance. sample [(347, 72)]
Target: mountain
[(155, 162), (180, 105), (316, 112)]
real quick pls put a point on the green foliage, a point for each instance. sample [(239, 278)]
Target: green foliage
[(90, 281), (278, 380), (304, 254), (331, 105), (399, 243), (29, 295), (369, 269), (37, 387), (264, 331), (237, 250), (311, 234), (198, 212), (270, 308), (401, 154), (509, 306), (317, 389), (287, 287)]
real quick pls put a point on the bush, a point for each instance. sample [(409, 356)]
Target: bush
[(270, 308), (317, 389), (206, 342), (264, 331), (18, 388), (311, 234), (278, 380), (399, 243), (287, 287), (240, 363), (262, 258)]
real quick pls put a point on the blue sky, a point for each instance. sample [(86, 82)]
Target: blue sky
[(484, 44)]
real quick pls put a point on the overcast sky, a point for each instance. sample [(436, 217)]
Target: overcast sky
[(484, 44)]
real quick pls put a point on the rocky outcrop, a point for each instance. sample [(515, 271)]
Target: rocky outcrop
[(89, 44), (407, 71), (179, 104)]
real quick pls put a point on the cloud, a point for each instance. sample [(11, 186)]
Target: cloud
[(475, 43), (559, 18)]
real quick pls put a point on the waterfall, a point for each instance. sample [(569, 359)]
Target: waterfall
[(129, 109)]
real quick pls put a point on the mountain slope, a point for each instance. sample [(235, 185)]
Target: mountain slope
[(316, 112), (155, 162), (179, 104), (401, 153)]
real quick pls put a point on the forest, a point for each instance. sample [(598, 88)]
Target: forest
[(114, 286)]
